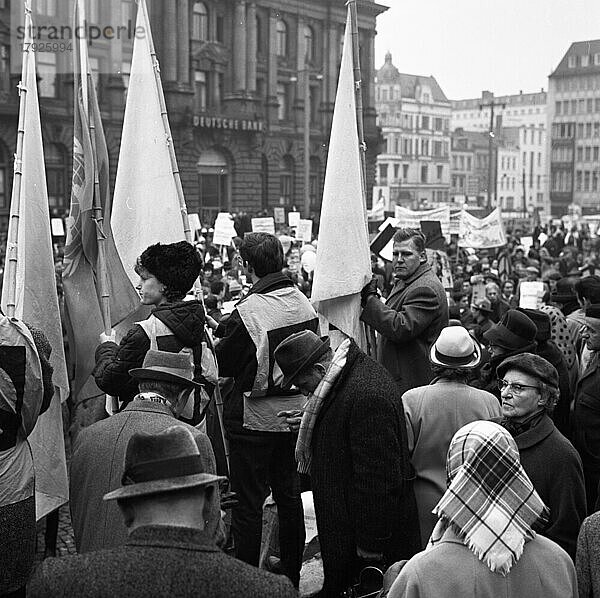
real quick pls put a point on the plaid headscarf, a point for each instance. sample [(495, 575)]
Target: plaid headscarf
[(313, 405), (490, 502)]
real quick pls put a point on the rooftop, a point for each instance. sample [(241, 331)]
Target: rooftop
[(582, 58)]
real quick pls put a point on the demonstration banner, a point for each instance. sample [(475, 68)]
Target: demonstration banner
[(412, 218), (481, 233)]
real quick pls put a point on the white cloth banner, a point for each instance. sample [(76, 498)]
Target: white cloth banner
[(412, 218), (481, 233)]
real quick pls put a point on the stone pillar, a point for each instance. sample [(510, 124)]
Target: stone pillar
[(168, 55), (272, 68), (251, 48), (239, 47), (183, 42)]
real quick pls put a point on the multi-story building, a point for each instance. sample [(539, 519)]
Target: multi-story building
[(235, 75), (469, 167), (574, 123), (527, 113), (414, 115)]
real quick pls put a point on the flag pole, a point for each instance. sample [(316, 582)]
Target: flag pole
[(165, 119), (97, 212), (12, 244)]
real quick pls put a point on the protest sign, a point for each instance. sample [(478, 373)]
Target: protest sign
[(481, 233), (304, 230), (279, 215), (438, 260), (195, 223), (478, 292), (57, 227), (224, 229), (293, 219), (412, 218), (263, 225), (530, 294)]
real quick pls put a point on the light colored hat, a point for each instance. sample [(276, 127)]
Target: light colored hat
[(163, 462), (455, 348), (167, 366)]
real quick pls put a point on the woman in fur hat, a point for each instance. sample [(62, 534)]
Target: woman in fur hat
[(167, 273)]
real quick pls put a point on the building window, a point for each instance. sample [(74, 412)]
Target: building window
[(4, 67), (46, 7), (585, 60), (595, 180), (396, 171), (213, 171), (127, 12), (572, 62), (383, 174), (586, 180), (309, 43), (200, 22), (46, 70), (3, 175), (558, 107), (424, 173), (282, 99), (440, 172), (405, 171), (201, 90), (282, 38), (286, 180), (578, 180), (425, 122), (220, 28), (56, 175)]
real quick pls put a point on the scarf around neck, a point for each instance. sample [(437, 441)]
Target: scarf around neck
[(313, 405), (490, 502)]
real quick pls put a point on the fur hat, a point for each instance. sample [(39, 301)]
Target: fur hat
[(514, 331), (176, 265), (531, 364)]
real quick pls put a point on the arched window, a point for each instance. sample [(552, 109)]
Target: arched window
[(200, 22), (282, 38), (56, 175), (213, 173), (286, 180), (3, 176), (309, 43)]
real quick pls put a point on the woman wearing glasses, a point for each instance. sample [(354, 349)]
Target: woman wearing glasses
[(529, 391)]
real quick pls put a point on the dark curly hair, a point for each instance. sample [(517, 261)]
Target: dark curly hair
[(176, 265), (263, 252)]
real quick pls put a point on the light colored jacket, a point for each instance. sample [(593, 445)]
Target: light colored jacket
[(434, 413), (451, 570)]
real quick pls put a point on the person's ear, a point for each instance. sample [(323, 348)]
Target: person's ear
[(423, 257)]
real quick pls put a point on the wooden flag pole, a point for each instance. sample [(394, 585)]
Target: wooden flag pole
[(12, 244), (165, 119)]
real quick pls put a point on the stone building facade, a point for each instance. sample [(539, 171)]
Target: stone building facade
[(234, 73)]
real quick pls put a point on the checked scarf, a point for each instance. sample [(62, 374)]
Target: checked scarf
[(490, 501), (313, 406)]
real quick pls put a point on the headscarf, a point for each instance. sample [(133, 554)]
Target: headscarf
[(490, 502)]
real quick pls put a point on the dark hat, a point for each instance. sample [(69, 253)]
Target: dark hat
[(297, 352), (593, 311), (176, 265), (531, 364), (455, 348), (484, 305), (563, 293), (514, 331), (541, 321), (163, 462), (167, 366)]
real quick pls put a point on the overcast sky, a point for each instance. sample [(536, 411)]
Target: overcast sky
[(471, 45)]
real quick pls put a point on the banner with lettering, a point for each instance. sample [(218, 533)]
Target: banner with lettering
[(481, 233), (412, 218)]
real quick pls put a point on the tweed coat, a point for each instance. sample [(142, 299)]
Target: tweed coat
[(451, 570), (554, 468), (434, 413), (588, 557), (361, 475), (157, 561), (97, 467), (409, 323)]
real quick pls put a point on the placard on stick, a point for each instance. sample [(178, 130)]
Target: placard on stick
[(263, 225), (57, 226), (304, 230), (224, 229), (293, 219), (279, 215)]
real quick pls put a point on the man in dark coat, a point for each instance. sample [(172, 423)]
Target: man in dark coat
[(353, 442), (169, 552), (413, 315)]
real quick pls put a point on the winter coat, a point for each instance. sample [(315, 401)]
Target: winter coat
[(236, 352), (586, 426), (588, 558), (451, 570), (434, 413), (408, 324), (157, 561), (554, 468), (97, 468), (113, 362), (361, 476)]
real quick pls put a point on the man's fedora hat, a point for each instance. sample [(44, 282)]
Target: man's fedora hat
[(163, 462), (297, 352), (167, 366), (455, 348)]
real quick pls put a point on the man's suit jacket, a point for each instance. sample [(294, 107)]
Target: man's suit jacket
[(157, 561), (409, 323), (97, 467)]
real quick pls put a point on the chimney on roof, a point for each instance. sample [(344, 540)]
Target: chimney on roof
[(520, 92), (542, 90), (388, 57)]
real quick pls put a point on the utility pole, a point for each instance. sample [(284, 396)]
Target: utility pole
[(487, 101), (524, 194)]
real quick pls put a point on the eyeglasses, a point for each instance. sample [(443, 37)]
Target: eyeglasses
[(515, 387)]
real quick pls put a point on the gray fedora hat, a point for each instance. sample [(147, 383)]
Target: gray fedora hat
[(164, 462), (297, 352), (455, 348), (167, 366)]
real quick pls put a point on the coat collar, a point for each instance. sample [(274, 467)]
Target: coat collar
[(148, 406), (402, 284), (172, 537), (536, 434), (591, 369)]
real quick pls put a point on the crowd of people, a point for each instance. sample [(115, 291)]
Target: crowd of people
[(460, 458)]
